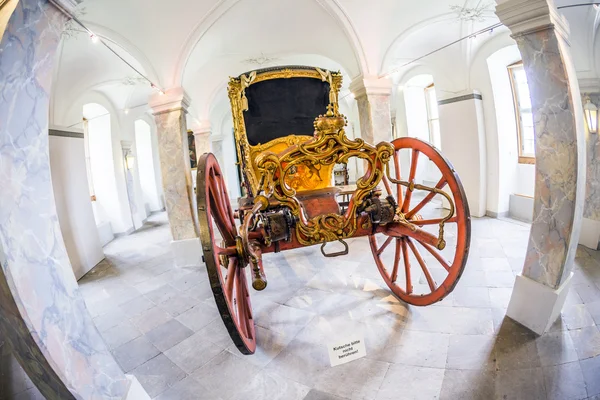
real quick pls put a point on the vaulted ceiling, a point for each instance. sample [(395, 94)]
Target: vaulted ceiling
[(199, 44)]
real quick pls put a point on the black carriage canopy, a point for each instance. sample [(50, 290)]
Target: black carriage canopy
[(282, 107)]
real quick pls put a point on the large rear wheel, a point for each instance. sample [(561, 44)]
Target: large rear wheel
[(417, 272), (226, 271)]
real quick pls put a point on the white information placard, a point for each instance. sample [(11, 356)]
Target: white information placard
[(347, 350)]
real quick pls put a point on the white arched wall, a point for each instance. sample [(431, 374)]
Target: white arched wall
[(505, 175), (122, 129)]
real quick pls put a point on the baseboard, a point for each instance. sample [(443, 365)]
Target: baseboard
[(126, 233), (493, 214)]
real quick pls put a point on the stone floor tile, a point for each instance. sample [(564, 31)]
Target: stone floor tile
[(135, 353), (301, 361), (591, 374), (422, 349), (576, 316), (239, 371), (472, 321), (191, 279), (594, 310), (121, 334), (268, 345), (163, 293), (403, 381), (500, 297), (315, 394), (150, 319), (358, 379), (564, 381), (193, 352), (201, 292), (468, 385), (110, 319), (556, 348), (216, 332), (515, 349), (499, 279), (187, 389), (137, 306), (495, 264), (158, 374), (178, 304), (471, 297), (471, 352), (125, 295), (586, 341), (286, 321), (517, 384), (167, 335), (272, 387), (198, 317), (588, 292)]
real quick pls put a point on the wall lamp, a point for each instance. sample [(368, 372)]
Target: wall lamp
[(591, 115)]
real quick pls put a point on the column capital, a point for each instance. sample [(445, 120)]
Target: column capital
[(365, 85), (172, 99), (200, 128), (526, 16)]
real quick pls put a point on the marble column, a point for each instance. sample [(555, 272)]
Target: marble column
[(43, 316), (542, 36), (373, 99), (169, 112), (201, 138)]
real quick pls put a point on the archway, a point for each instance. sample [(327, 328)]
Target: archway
[(147, 166)]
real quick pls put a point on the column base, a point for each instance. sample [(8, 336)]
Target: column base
[(136, 391), (188, 252), (536, 306), (590, 233)]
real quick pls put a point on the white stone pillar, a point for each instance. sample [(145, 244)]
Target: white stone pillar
[(169, 112), (542, 36), (373, 98), (462, 131)]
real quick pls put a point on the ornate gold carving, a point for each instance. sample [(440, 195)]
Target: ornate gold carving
[(330, 146), (247, 153)]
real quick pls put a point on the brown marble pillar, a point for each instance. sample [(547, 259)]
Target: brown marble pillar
[(542, 36), (169, 113)]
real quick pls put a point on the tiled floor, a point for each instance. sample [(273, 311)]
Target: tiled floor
[(162, 326)]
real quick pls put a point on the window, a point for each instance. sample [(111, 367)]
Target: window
[(433, 117), (523, 113)]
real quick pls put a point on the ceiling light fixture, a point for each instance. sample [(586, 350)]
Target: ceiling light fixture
[(94, 38)]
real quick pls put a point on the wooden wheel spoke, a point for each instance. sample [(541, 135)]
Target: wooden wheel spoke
[(230, 279), (394, 275), (241, 303), (430, 281), (387, 185), (385, 244), (411, 178), (398, 177), (409, 287), (440, 185), (437, 255)]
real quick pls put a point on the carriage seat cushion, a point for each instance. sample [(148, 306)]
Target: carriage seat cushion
[(319, 201)]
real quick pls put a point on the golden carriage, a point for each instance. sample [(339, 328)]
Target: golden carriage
[(286, 161)]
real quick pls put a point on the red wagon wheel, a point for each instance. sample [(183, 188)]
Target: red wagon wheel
[(226, 271), (423, 277)]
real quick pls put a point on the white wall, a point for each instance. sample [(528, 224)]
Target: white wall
[(73, 205), (145, 163)]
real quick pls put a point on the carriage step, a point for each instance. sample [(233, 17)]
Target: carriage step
[(337, 253)]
